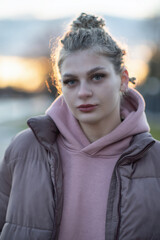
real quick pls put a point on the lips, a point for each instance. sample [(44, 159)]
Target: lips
[(86, 107)]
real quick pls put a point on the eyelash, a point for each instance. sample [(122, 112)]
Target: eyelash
[(68, 81), (101, 75)]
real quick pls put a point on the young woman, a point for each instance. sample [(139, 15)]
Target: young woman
[(89, 168)]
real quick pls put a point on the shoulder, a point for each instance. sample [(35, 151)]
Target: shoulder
[(145, 147), (27, 145), (23, 143), (39, 137), (151, 159), (156, 148)]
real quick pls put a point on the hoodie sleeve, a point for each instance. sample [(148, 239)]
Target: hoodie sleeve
[(5, 186)]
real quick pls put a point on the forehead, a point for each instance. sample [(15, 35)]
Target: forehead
[(83, 61)]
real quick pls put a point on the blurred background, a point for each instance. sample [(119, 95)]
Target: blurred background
[(28, 29)]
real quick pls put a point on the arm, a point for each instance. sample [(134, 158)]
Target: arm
[(5, 186)]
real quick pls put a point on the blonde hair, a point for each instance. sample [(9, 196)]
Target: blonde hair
[(89, 32)]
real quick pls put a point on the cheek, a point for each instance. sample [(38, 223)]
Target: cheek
[(65, 93), (111, 95), (115, 88), (111, 90), (68, 97)]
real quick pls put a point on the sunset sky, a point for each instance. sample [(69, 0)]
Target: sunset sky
[(48, 9)]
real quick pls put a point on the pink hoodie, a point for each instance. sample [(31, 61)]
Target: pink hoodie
[(88, 167)]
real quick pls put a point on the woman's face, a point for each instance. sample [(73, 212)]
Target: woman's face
[(91, 87)]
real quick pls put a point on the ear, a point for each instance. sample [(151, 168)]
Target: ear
[(124, 80)]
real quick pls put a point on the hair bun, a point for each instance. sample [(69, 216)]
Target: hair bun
[(87, 21)]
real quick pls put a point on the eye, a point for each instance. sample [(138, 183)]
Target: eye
[(69, 82), (98, 76)]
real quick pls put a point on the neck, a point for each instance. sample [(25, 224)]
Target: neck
[(95, 131)]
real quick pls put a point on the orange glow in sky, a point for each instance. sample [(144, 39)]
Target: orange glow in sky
[(138, 69), (137, 61), (22, 73)]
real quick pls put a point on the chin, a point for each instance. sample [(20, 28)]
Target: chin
[(88, 120)]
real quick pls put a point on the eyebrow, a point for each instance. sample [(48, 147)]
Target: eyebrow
[(88, 73)]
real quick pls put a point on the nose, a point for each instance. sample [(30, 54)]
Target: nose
[(85, 90)]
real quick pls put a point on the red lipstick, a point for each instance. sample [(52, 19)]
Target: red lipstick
[(87, 107)]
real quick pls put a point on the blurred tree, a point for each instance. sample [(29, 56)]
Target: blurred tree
[(151, 89), (154, 64)]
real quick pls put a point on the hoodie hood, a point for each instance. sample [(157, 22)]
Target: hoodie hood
[(114, 143)]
